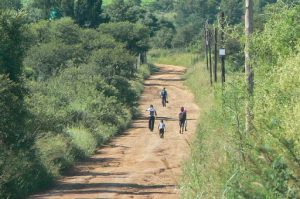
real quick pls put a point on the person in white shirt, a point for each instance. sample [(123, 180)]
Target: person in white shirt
[(152, 114), (161, 128)]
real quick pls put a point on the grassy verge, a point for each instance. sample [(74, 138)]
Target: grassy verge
[(205, 172), (174, 57)]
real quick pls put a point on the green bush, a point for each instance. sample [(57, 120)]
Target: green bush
[(144, 71), (84, 141), (20, 174), (104, 132), (55, 153)]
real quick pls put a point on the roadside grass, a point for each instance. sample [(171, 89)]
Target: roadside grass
[(206, 170), (83, 140), (177, 57)]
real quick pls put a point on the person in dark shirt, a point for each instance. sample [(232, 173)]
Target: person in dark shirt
[(152, 114), (182, 119), (164, 96)]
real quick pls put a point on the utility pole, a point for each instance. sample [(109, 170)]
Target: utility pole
[(209, 52), (206, 43), (216, 54), (223, 47), (248, 67)]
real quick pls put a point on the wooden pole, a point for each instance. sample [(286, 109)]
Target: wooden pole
[(206, 45), (216, 55), (223, 46), (248, 67), (209, 52)]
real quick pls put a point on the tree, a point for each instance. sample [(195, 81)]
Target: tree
[(12, 133), (233, 10), (93, 40), (88, 12), (12, 50), (66, 31), (162, 5), (48, 59), (152, 23), (135, 2), (185, 35), (135, 36), (113, 62), (121, 10), (67, 7), (10, 4), (45, 6), (164, 37), (194, 13)]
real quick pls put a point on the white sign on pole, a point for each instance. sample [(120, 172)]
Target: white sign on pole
[(222, 52)]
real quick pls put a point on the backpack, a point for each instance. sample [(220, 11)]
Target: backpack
[(164, 93), (182, 115)]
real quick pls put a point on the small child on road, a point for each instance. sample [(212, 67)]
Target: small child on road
[(161, 128)]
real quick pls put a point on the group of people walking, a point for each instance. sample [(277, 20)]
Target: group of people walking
[(182, 116)]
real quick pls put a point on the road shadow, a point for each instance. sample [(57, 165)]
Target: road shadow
[(167, 79), (163, 72), (117, 188), (145, 119), (95, 174)]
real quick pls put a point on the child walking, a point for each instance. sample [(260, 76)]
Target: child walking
[(161, 128)]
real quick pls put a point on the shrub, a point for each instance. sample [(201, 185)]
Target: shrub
[(55, 153), (20, 174), (144, 71), (105, 132), (84, 141)]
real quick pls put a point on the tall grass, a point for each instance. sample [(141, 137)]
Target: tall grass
[(205, 172), (174, 57), (55, 153), (83, 139)]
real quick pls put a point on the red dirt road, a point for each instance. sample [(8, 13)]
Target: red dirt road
[(138, 164)]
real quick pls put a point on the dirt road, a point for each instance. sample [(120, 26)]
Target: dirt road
[(138, 164)]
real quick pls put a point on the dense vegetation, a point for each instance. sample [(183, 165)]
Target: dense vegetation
[(69, 81), (227, 161)]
